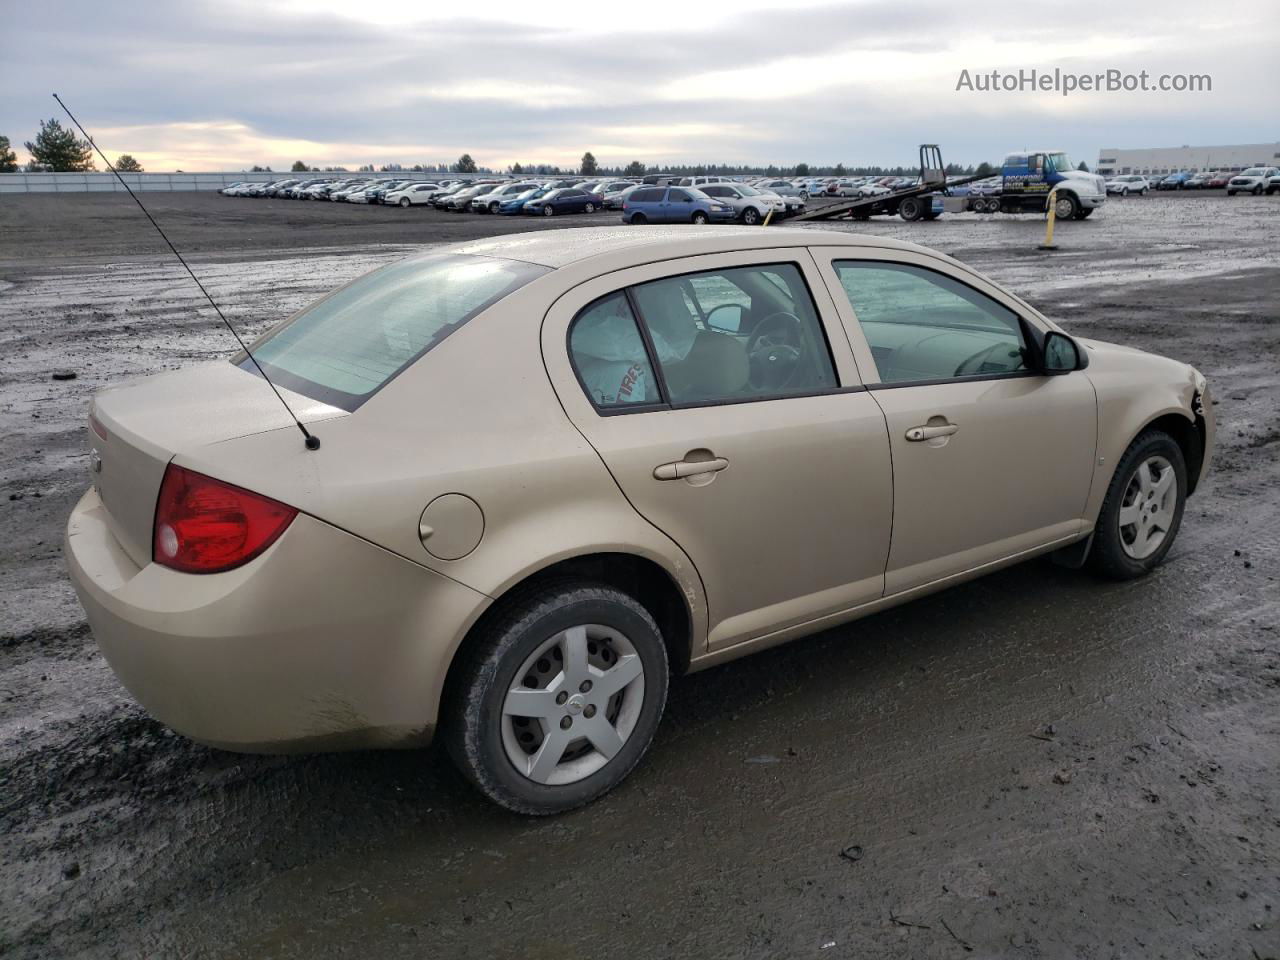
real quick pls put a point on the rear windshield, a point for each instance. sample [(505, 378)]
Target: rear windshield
[(345, 347)]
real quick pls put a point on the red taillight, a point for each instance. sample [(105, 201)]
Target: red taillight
[(207, 526)]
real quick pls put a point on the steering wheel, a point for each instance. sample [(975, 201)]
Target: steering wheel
[(775, 350)]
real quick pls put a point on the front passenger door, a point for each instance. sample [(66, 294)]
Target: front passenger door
[(991, 458)]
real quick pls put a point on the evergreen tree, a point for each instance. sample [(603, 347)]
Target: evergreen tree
[(59, 149)]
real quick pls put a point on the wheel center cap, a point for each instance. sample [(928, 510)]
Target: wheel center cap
[(575, 704)]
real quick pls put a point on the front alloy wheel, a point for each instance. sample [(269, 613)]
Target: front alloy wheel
[(558, 698), (548, 210), (751, 216), (699, 217), (1142, 510)]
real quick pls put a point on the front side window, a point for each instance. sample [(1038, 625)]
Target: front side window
[(679, 196), (609, 355), (926, 326), (736, 334), (348, 345)]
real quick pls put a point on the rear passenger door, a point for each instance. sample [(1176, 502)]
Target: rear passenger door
[(734, 421)]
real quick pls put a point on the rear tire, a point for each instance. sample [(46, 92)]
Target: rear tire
[(639, 218), (911, 209), (545, 641), (1139, 507)]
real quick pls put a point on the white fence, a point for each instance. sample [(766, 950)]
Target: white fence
[(106, 182)]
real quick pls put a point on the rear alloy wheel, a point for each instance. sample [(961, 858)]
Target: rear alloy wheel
[(1066, 206), (751, 216), (1142, 510), (699, 217), (548, 210), (559, 698), (404, 201)]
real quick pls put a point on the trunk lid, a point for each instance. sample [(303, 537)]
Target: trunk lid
[(138, 427)]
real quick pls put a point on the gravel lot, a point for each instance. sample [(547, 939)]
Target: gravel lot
[(1036, 764)]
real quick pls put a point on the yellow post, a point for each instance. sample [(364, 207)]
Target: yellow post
[(1048, 230), (767, 217)]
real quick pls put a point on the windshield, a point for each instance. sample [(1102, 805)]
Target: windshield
[(1061, 162), (748, 191), (1252, 172), (345, 347)]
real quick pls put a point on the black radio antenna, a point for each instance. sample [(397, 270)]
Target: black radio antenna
[(312, 441)]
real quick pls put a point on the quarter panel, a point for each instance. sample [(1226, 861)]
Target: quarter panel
[(476, 416)]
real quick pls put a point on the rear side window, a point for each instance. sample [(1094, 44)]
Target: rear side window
[(679, 196), (344, 348), (645, 196), (721, 336), (609, 355)]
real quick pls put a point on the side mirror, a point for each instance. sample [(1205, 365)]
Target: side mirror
[(726, 317), (1062, 354)]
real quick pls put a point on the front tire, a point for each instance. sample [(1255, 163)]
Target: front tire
[(699, 217), (751, 216), (548, 211), (1143, 508), (1066, 206), (589, 208), (559, 698), (1257, 191), (404, 201)]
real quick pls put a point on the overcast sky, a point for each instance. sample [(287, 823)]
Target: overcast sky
[(224, 84)]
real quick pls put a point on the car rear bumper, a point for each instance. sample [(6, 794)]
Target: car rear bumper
[(324, 642)]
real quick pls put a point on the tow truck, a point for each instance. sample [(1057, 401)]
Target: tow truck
[(1026, 181)]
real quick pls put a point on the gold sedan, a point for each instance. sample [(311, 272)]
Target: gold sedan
[(558, 468)]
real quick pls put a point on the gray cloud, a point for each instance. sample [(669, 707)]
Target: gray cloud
[(391, 89)]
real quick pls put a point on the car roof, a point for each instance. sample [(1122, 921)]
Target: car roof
[(562, 248)]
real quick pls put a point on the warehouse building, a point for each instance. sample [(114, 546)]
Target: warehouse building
[(1163, 160)]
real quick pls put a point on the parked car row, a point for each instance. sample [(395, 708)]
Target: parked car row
[(711, 197), (1255, 180)]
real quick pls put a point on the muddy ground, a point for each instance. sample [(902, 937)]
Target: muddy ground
[(1037, 764)]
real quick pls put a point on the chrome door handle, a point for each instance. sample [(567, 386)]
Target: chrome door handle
[(916, 434), (688, 468)]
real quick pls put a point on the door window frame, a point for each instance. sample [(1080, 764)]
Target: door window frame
[(1031, 324), (585, 295)]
